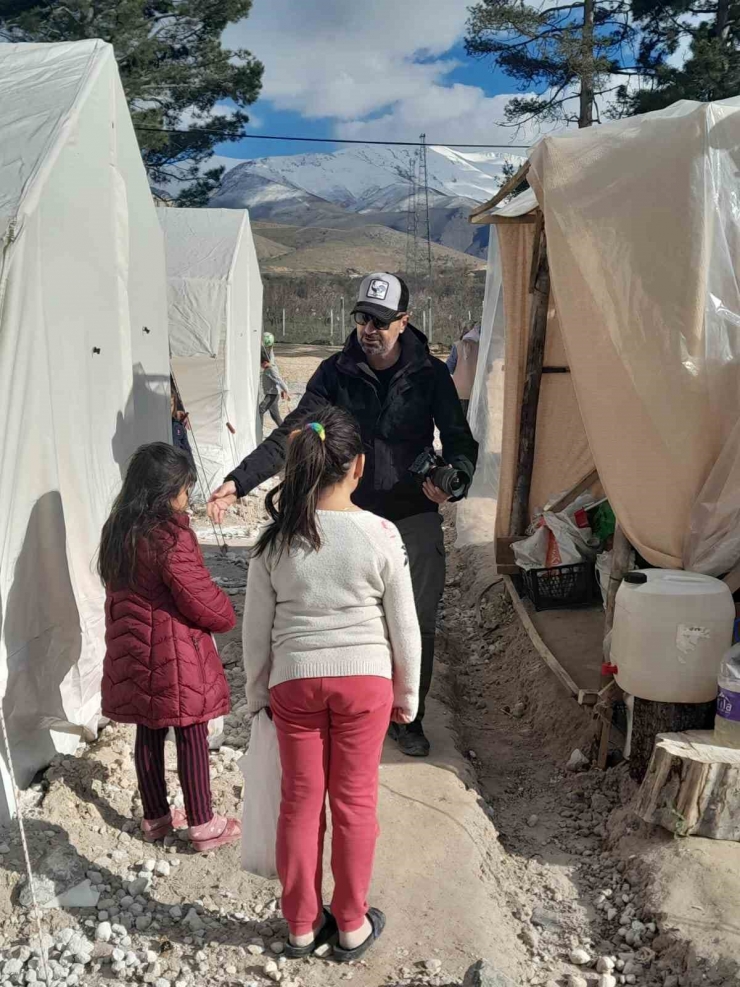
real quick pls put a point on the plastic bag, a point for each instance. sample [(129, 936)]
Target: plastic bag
[(262, 782), (558, 539)]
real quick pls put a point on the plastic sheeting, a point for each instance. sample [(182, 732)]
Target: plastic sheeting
[(643, 223), (83, 374), (215, 317)]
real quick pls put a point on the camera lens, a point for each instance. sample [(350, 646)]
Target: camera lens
[(450, 480)]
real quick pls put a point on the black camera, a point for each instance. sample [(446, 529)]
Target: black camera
[(447, 478)]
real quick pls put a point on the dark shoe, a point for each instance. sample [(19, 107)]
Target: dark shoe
[(326, 934), (411, 740), (377, 920)]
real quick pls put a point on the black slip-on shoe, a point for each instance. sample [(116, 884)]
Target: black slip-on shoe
[(377, 920), (326, 934)]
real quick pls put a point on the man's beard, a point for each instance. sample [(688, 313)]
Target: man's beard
[(374, 347)]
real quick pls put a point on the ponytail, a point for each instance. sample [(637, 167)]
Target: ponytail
[(320, 453)]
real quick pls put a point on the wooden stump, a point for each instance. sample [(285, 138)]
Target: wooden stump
[(651, 719), (692, 788)]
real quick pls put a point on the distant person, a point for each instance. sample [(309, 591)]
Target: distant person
[(161, 666), (332, 649), (399, 393), (462, 364), (180, 423), (273, 388)]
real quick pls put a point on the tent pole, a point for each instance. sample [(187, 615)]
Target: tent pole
[(531, 396)]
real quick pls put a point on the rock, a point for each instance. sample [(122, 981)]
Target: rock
[(139, 886), (143, 922), (272, 972), (176, 913), (104, 932), (12, 968), (163, 868), (575, 981), (605, 964), (607, 980), (161, 982), (433, 966), (485, 974), (149, 866), (545, 918), (580, 957), (533, 820), (578, 761), (193, 920), (277, 947), (323, 951), (4, 849)]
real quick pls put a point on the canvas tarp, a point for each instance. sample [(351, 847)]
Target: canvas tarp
[(83, 373), (562, 454), (643, 233), (215, 318)]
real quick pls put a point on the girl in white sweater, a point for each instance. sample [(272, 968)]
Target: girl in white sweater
[(332, 648)]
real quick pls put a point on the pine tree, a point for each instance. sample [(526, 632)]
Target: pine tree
[(175, 72), (569, 52), (711, 71)]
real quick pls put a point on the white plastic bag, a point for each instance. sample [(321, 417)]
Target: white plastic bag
[(262, 781)]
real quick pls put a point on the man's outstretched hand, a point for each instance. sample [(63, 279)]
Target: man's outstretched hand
[(221, 500)]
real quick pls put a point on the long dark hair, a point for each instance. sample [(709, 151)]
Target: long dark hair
[(156, 475), (320, 453)]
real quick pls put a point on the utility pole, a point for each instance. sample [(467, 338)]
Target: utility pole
[(344, 320), (331, 331), (283, 323)]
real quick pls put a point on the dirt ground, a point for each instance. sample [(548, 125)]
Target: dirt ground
[(492, 849)]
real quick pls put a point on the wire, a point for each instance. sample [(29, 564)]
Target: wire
[(324, 140)]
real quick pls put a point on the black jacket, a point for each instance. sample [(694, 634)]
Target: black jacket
[(420, 396)]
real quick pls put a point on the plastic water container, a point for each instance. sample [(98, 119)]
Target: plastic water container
[(671, 629)]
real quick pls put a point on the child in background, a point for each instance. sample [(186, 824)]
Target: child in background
[(180, 422), (332, 648), (273, 388), (161, 666)]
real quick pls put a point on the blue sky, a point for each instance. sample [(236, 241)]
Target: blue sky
[(382, 69)]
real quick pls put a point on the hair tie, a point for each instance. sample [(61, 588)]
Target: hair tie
[(319, 429)]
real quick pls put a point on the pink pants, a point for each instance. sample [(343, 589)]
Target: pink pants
[(331, 733)]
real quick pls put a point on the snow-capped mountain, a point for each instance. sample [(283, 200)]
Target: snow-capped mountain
[(363, 178)]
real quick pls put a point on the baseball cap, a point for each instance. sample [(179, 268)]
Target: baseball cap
[(383, 295)]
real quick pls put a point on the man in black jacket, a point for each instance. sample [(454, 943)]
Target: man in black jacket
[(387, 378)]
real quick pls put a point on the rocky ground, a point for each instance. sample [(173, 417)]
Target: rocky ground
[(517, 850)]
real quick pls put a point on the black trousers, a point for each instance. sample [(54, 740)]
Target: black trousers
[(422, 535), (271, 403)]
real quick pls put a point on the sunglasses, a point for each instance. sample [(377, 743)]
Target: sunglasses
[(363, 319)]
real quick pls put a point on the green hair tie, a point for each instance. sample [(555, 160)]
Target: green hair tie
[(319, 429)]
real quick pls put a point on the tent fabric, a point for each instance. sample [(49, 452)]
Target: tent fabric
[(562, 454), (83, 367), (215, 319), (643, 235)]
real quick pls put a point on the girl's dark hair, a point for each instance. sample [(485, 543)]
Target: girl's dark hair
[(156, 475), (313, 464)]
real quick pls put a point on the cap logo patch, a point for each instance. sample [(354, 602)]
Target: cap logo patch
[(378, 289)]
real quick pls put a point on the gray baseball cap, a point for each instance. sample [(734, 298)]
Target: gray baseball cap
[(383, 295)]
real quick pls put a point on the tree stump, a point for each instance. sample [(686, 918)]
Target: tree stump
[(651, 719), (692, 787)]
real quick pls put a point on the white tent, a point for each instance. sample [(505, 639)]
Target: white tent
[(215, 317), (83, 375), (642, 237)]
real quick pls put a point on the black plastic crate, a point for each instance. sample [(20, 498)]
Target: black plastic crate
[(563, 587)]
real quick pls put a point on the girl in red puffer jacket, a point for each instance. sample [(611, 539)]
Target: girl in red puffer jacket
[(161, 666)]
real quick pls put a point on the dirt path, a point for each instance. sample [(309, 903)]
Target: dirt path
[(490, 849)]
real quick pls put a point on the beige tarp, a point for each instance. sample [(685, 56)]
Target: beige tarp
[(643, 225)]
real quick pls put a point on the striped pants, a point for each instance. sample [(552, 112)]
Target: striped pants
[(193, 769)]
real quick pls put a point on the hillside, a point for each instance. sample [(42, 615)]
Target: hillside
[(286, 250)]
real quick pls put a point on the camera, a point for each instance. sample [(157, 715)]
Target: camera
[(447, 478)]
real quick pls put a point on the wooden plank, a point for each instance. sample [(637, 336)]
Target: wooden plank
[(493, 220), (505, 561), (621, 558), (556, 370), (539, 645), (692, 787), (506, 189), (531, 396), (575, 491)]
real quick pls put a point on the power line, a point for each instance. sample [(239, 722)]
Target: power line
[(324, 140)]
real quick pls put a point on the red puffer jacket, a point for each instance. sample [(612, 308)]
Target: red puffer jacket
[(161, 666)]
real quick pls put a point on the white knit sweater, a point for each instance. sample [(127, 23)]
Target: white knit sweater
[(347, 609)]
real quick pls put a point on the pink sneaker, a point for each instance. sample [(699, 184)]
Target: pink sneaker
[(214, 834), (157, 829)]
